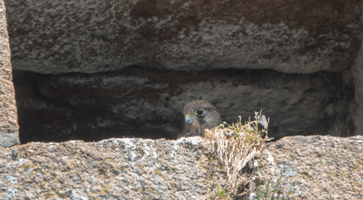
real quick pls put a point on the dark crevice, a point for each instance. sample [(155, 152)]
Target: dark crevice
[(147, 103)]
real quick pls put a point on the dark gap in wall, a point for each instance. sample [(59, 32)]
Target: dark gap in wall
[(148, 103)]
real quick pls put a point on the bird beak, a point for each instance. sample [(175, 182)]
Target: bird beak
[(188, 119)]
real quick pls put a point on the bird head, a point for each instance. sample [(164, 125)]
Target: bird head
[(199, 115)]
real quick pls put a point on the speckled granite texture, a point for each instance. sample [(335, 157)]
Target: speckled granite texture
[(314, 167), (91, 36), (9, 129), (110, 169)]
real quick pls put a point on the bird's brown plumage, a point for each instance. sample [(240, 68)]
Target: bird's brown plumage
[(199, 115)]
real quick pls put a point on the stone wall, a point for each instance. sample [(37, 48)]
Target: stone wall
[(91, 36), (9, 130), (97, 69)]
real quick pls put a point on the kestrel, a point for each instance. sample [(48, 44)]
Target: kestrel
[(199, 115)]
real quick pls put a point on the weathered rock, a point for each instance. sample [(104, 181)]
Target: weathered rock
[(110, 169), (136, 102), (91, 36), (314, 167), (9, 130), (112, 40)]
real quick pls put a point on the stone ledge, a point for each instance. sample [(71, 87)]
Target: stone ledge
[(314, 167), (113, 169)]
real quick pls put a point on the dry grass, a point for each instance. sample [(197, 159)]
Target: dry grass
[(237, 145)]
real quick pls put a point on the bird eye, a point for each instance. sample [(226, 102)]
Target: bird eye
[(199, 112)]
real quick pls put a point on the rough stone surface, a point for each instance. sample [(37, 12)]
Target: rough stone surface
[(9, 139), (110, 169), (9, 130), (139, 56), (144, 103), (91, 36), (314, 167)]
